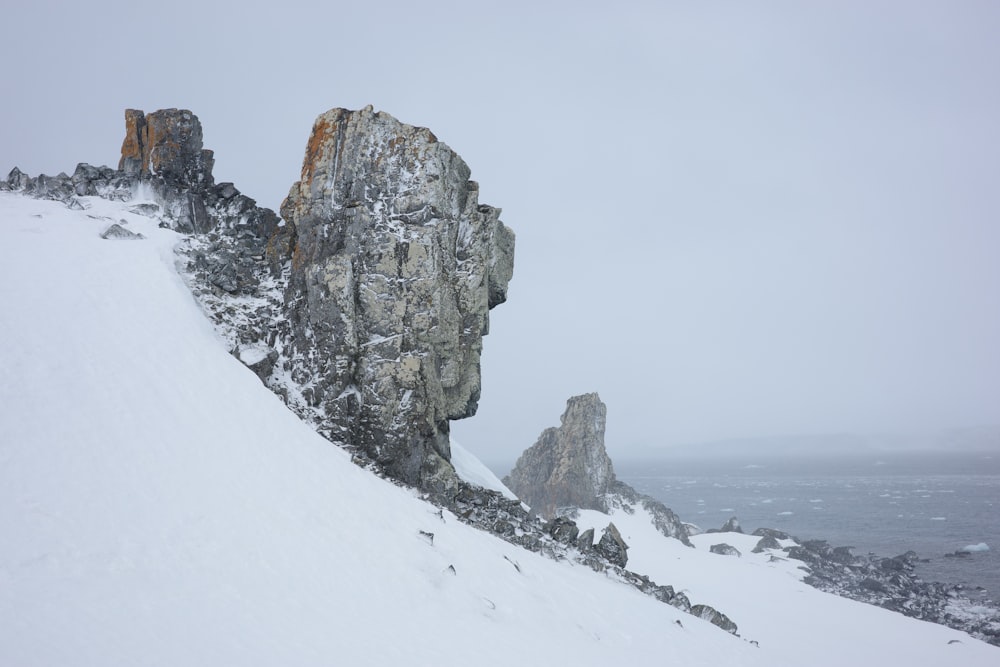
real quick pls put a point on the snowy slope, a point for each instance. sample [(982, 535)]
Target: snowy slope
[(794, 622), (159, 506)]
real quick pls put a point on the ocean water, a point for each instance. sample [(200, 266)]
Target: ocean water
[(933, 504)]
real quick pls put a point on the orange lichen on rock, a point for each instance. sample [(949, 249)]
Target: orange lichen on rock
[(322, 130), (132, 159)]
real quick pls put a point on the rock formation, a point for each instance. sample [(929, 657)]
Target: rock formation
[(393, 268), (166, 144), (568, 466), (162, 156), (724, 549), (612, 546)]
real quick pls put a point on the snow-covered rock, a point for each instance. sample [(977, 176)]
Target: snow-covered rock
[(393, 268)]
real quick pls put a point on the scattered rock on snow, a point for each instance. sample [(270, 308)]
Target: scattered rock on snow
[(116, 231)]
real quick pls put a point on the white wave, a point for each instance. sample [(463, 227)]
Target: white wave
[(974, 548)]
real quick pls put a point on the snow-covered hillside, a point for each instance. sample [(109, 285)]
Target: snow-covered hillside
[(159, 506)]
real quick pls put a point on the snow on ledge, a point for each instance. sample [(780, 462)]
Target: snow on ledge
[(474, 471)]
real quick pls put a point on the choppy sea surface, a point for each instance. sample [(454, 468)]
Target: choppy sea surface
[(933, 504)]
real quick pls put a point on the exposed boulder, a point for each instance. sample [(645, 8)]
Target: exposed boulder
[(163, 151), (732, 526), (116, 231), (166, 144), (663, 518), (563, 530), (16, 179), (724, 549), (771, 532), (394, 266), (892, 583), (612, 546), (713, 616), (568, 466), (766, 542)]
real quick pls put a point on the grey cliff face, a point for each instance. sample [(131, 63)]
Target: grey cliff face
[(568, 466), (393, 268)]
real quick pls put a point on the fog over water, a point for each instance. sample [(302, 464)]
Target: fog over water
[(732, 220)]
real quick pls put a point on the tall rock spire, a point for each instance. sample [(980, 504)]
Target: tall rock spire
[(568, 466)]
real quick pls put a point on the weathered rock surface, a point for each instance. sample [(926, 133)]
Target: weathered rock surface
[(568, 467), (394, 265)]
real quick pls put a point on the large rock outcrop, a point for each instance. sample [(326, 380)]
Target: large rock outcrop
[(568, 467), (393, 266)]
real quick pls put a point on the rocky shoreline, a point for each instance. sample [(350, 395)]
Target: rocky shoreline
[(890, 583)]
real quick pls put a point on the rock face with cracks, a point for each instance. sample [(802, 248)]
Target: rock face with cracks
[(394, 266)]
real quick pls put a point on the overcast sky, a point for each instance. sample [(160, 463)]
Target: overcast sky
[(733, 218)]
